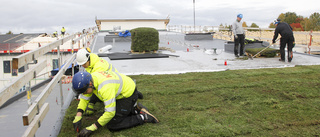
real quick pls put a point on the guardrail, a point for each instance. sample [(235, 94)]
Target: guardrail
[(34, 115), (310, 40), (38, 110)]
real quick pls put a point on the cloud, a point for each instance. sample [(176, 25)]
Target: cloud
[(35, 16)]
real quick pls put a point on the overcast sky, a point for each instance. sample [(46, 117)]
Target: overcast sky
[(47, 16)]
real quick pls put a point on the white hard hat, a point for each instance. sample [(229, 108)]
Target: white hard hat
[(82, 56)]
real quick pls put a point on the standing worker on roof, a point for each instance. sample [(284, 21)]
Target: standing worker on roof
[(63, 31), (119, 94), (239, 35), (93, 63), (287, 38)]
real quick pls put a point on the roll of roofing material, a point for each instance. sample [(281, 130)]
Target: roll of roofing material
[(105, 49)]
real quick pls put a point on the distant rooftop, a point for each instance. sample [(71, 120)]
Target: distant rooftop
[(14, 41)]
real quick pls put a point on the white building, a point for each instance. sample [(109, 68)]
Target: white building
[(128, 24)]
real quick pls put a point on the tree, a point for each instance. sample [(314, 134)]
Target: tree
[(10, 32), (290, 17), (272, 25), (296, 27), (244, 24), (281, 17), (315, 21), (254, 25), (299, 19), (306, 24)]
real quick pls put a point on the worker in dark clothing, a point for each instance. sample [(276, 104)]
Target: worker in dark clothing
[(287, 38), (239, 35)]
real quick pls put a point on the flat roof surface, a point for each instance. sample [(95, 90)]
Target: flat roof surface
[(199, 58), (13, 41)]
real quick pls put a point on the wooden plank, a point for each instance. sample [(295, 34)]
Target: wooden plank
[(35, 124), (7, 92), (33, 109), (23, 59), (77, 39)]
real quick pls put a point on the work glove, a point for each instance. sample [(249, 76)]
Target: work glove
[(294, 44), (236, 36), (87, 131), (273, 41), (77, 123), (89, 110)]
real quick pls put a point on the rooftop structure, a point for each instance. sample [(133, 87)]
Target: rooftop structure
[(128, 24)]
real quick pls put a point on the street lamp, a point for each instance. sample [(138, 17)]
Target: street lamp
[(194, 17)]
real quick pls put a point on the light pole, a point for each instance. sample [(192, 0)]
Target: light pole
[(194, 17)]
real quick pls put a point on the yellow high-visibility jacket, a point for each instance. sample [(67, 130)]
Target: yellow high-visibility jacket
[(63, 30), (98, 64), (109, 86)]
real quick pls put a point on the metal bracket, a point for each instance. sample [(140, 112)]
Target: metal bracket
[(39, 123), (34, 74), (38, 109)]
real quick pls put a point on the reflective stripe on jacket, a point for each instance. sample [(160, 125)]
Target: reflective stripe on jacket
[(109, 86), (98, 64)]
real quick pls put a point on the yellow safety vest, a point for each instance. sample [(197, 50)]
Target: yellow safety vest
[(109, 86), (98, 64), (63, 30)]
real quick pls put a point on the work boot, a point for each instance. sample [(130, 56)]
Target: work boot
[(290, 57), (139, 107), (89, 109), (281, 60), (148, 117)]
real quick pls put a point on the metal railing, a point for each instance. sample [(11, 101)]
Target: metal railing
[(38, 109)]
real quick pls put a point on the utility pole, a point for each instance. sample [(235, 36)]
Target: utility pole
[(194, 17)]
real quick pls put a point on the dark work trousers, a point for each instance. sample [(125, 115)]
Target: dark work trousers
[(289, 42), (126, 116), (240, 40)]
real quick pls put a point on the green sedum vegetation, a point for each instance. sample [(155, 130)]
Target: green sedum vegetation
[(262, 102), (269, 52)]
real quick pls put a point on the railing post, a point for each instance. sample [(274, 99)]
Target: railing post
[(310, 42)]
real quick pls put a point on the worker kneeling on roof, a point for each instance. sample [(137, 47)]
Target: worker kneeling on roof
[(118, 93), (92, 62)]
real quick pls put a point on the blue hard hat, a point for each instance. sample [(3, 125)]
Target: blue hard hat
[(240, 16), (80, 82), (276, 21)]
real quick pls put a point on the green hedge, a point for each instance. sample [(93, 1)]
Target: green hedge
[(144, 39)]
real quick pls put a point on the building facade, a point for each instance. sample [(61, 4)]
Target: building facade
[(128, 24)]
